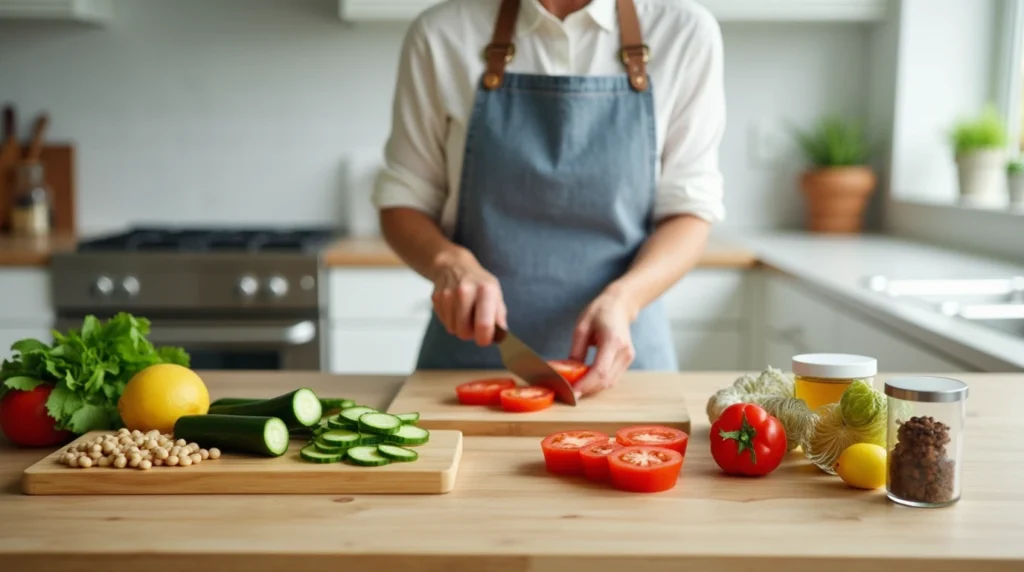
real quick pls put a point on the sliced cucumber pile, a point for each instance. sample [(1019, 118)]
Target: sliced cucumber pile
[(365, 437)]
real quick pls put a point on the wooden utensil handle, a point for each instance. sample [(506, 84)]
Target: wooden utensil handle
[(9, 126), (38, 133)]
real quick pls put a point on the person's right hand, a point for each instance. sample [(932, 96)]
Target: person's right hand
[(468, 300)]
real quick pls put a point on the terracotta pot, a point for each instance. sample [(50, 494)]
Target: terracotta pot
[(836, 198)]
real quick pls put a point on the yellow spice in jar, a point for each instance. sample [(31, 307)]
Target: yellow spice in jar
[(817, 391)]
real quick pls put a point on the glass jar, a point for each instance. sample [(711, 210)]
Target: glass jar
[(821, 379), (925, 440), (30, 213)]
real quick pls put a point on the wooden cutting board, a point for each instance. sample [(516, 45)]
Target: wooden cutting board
[(640, 398), (433, 473)]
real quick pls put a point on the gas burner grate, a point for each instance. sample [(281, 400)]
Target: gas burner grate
[(210, 240)]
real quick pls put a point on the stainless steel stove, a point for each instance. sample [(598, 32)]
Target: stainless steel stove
[(234, 298)]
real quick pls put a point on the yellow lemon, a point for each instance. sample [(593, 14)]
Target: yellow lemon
[(157, 396), (862, 466)]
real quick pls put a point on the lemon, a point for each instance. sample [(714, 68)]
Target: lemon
[(157, 396), (862, 466)]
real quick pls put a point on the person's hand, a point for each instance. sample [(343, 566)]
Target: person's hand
[(605, 323), (468, 300)]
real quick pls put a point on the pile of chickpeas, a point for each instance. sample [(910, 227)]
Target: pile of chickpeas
[(136, 450)]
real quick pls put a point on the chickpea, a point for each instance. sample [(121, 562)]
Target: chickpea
[(136, 433), (73, 462), (145, 465), (123, 431), (161, 453), (95, 455), (120, 462), (175, 450), (214, 453), (85, 462), (204, 454), (83, 447), (151, 444), (185, 461), (134, 463), (103, 462), (172, 461), (158, 462), (196, 458), (71, 449)]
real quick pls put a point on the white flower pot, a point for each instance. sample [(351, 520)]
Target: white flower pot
[(1015, 182), (982, 176)]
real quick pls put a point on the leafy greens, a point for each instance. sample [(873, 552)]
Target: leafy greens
[(89, 368)]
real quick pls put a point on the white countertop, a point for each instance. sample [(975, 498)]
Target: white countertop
[(840, 265)]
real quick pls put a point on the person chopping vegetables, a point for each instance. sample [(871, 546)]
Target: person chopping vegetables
[(553, 169)]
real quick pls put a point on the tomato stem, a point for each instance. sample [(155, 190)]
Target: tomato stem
[(744, 437)]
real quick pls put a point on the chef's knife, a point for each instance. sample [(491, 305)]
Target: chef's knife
[(524, 362)]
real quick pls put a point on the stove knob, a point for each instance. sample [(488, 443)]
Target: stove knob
[(103, 286), (277, 286), (248, 286), (130, 286)]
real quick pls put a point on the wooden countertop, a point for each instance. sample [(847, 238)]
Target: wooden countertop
[(17, 251), (507, 514), (375, 252)]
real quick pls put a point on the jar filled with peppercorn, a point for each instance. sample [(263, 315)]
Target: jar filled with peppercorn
[(925, 440)]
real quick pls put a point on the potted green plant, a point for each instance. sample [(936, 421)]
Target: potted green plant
[(979, 145), (1015, 182), (839, 181)]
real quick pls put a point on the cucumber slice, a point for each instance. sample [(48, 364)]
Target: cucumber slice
[(366, 439), (235, 433), (352, 414), (379, 423), (325, 447), (396, 453), (341, 423), (340, 438), (409, 436), (408, 418), (314, 455), (366, 457), (298, 409), (333, 405)]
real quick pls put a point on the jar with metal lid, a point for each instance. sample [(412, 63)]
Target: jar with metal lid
[(821, 379), (925, 440), (30, 213)]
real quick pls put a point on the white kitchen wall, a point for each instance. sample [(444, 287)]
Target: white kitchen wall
[(241, 111)]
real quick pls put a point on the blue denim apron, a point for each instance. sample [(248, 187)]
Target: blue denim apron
[(556, 197)]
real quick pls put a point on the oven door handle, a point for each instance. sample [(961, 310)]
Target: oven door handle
[(294, 334)]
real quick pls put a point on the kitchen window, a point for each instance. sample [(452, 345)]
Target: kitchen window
[(953, 59)]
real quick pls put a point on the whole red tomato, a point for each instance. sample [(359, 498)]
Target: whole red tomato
[(745, 440), (25, 421)]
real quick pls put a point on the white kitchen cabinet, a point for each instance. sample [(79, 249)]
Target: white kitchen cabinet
[(800, 320), (894, 354), (25, 308), (381, 349), (795, 322), (708, 349), (377, 316)]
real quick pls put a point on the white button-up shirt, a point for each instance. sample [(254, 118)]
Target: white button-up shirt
[(441, 66)]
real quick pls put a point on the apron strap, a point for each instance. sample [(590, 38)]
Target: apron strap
[(634, 53)]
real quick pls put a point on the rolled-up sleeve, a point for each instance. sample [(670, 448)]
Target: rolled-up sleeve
[(413, 175), (690, 180)]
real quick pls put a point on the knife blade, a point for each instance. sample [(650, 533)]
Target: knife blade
[(535, 370)]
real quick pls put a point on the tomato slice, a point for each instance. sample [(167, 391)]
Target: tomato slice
[(483, 391), (525, 399), (562, 450), (594, 458), (644, 469), (570, 369), (653, 436)]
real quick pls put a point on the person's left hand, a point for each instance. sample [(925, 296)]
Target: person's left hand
[(605, 324)]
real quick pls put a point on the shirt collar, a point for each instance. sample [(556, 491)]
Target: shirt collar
[(602, 12)]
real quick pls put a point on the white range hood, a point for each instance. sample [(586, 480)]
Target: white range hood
[(89, 11), (724, 10)]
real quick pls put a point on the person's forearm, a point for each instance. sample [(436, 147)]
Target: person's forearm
[(668, 254), (418, 241)]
